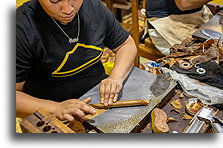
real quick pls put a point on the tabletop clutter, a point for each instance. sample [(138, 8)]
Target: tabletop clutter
[(197, 69)]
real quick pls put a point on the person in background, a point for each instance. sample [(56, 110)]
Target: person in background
[(58, 48), (172, 21)]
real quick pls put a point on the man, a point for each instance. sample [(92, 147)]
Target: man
[(58, 48), (171, 21)]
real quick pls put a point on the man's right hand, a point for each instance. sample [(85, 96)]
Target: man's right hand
[(66, 110)]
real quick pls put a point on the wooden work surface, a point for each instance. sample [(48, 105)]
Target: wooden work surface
[(213, 24), (181, 123)]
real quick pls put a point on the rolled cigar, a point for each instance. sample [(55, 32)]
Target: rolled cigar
[(122, 104)]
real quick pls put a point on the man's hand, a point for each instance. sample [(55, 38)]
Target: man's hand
[(109, 90), (124, 58), (66, 110)]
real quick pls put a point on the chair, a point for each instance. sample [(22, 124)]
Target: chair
[(147, 50)]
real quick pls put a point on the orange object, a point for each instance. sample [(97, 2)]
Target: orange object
[(159, 121)]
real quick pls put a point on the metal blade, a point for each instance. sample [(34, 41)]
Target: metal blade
[(211, 33)]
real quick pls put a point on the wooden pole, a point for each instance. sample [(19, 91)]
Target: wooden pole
[(109, 4), (135, 29)]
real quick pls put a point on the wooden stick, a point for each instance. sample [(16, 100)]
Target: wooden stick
[(122, 104)]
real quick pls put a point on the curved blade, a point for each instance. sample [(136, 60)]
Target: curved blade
[(211, 34)]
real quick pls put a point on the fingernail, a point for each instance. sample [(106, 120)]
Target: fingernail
[(110, 103), (102, 100), (94, 111), (106, 104)]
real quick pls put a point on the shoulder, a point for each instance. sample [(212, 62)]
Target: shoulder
[(92, 3), (26, 13), (93, 7), (26, 16)]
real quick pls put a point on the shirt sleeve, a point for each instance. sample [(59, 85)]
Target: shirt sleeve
[(23, 55), (115, 33)]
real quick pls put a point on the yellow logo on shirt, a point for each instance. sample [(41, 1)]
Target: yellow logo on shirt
[(59, 73)]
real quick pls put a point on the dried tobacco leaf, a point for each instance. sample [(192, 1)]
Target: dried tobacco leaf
[(175, 110), (176, 104), (187, 117), (181, 95), (177, 91), (171, 119)]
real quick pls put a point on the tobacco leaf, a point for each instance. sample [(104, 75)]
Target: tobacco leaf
[(176, 104), (187, 117), (171, 119), (181, 95), (175, 110)]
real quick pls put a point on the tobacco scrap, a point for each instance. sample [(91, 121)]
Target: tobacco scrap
[(171, 119), (155, 70), (181, 95), (77, 126), (98, 112), (175, 110), (148, 126), (171, 62), (177, 91), (192, 51), (176, 104), (187, 117)]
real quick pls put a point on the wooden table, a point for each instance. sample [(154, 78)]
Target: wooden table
[(181, 123)]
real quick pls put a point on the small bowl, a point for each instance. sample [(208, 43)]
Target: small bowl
[(193, 105)]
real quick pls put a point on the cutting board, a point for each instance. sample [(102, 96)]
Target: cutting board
[(139, 85)]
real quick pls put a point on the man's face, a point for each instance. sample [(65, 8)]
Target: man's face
[(61, 10)]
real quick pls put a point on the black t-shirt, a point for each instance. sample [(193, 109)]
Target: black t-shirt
[(164, 8), (51, 67)]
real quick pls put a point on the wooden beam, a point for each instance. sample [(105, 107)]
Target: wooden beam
[(135, 28)]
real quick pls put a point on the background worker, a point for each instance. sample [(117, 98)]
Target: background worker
[(172, 21)]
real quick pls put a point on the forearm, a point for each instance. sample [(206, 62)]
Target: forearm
[(26, 104), (184, 5), (124, 60)]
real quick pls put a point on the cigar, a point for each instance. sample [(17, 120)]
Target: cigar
[(122, 104)]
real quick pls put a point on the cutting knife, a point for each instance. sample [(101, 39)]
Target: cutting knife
[(212, 34)]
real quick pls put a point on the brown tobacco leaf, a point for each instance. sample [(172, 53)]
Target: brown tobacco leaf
[(176, 104), (171, 119), (181, 95), (155, 71), (187, 117), (171, 62), (177, 91), (175, 110), (77, 127)]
